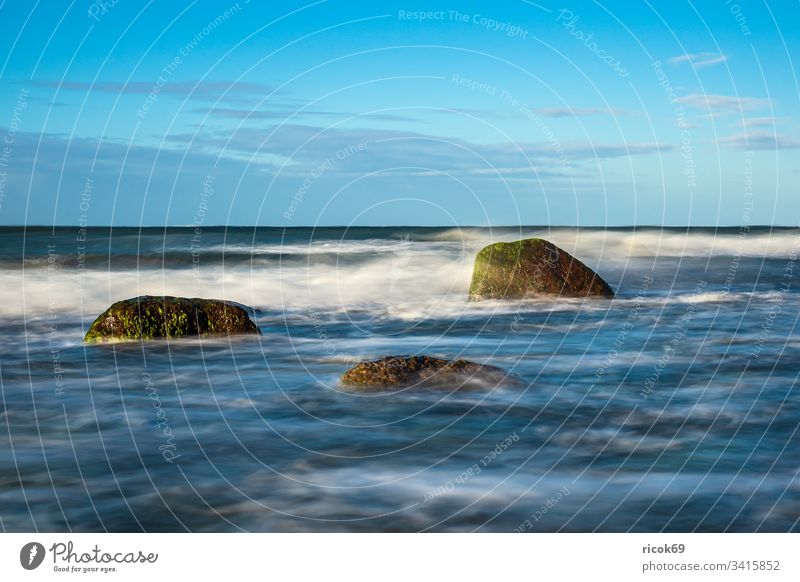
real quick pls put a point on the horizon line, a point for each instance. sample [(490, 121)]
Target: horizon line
[(217, 226)]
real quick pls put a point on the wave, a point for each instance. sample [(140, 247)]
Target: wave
[(610, 244), (410, 274), (370, 292), (620, 245), (421, 279)]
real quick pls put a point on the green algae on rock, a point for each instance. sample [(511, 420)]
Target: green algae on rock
[(148, 317), (394, 372), (527, 267)]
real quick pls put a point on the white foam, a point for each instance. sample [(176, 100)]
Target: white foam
[(406, 279)]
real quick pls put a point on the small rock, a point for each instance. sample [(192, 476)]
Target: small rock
[(148, 317), (532, 266), (403, 371)]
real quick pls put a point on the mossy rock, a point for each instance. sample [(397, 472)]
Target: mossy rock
[(395, 372), (529, 267), (150, 317)]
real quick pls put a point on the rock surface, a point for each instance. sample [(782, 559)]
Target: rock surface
[(148, 317), (404, 371), (532, 266)]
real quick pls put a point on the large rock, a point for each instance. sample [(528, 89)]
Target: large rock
[(532, 266), (149, 317), (395, 372)]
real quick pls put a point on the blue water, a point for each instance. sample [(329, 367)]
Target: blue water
[(674, 407)]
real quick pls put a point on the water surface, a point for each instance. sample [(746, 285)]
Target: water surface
[(674, 407)]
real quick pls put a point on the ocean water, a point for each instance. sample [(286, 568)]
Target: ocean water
[(673, 407)]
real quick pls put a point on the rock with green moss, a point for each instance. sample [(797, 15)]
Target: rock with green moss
[(529, 267), (150, 317), (395, 372)]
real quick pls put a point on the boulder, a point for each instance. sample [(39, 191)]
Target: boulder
[(529, 267), (394, 372), (148, 317)]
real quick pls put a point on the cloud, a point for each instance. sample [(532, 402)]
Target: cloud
[(205, 90), (759, 140), (132, 182), (759, 122), (699, 60), (549, 112), (253, 114), (589, 151), (479, 113), (162, 184), (722, 103), (582, 111), (300, 147)]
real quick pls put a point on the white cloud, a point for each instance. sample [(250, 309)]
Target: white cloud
[(758, 122), (722, 103), (760, 140), (303, 147), (699, 60), (549, 112), (582, 111), (202, 90)]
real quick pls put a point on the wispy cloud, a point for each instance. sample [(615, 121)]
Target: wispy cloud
[(722, 103), (300, 145), (699, 60), (759, 122), (583, 111), (480, 113), (253, 114), (590, 151), (193, 89), (760, 140), (549, 112), (166, 181), (244, 160)]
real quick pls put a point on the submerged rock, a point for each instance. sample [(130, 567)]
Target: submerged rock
[(531, 266), (148, 317), (403, 371)]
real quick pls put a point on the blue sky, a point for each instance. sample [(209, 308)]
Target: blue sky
[(427, 113)]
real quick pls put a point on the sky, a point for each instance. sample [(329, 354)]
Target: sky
[(452, 113)]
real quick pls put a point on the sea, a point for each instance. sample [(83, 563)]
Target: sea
[(673, 407)]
